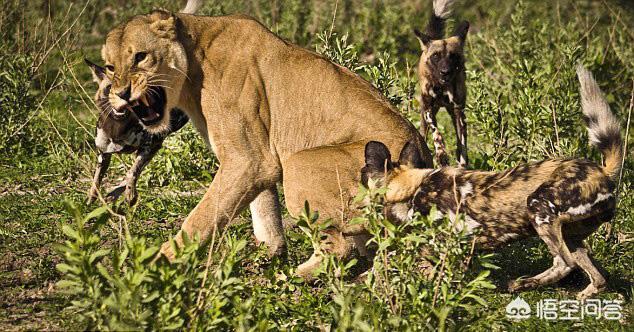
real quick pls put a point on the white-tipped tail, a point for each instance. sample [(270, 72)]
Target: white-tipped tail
[(604, 129), (192, 6), (443, 8)]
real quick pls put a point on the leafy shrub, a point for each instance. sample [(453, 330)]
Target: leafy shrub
[(17, 102), (184, 156), (120, 288)]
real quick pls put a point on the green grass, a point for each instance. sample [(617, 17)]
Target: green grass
[(520, 77)]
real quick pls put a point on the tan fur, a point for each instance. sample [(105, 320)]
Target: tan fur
[(404, 183), (271, 111)]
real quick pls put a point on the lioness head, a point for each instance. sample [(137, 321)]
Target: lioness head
[(147, 67), (401, 178), (442, 59)]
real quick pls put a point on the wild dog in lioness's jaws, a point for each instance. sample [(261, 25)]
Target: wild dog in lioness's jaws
[(272, 112), (562, 201), (119, 131), (441, 75)]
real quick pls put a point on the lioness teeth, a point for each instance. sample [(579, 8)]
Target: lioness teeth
[(144, 100)]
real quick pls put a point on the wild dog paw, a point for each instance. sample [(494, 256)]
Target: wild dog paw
[(131, 195), (115, 193), (93, 194)]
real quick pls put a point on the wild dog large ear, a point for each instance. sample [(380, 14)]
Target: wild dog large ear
[(163, 24), (410, 156), (461, 31), (378, 161), (98, 72), (423, 39)]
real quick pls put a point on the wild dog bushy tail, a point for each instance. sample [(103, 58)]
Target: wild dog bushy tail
[(192, 6), (604, 129), (436, 26)]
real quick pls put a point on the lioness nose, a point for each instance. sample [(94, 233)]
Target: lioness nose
[(125, 93)]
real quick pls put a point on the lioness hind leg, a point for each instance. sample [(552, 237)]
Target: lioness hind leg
[(327, 178), (267, 221)]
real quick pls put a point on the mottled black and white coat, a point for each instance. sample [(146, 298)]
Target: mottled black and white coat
[(122, 132), (562, 201), (441, 76)]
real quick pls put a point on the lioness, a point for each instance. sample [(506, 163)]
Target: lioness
[(271, 112)]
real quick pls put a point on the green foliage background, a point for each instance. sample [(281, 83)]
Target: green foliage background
[(523, 105)]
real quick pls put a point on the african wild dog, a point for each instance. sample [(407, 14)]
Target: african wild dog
[(441, 74), (122, 132), (562, 201)]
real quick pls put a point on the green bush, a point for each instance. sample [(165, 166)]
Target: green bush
[(121, 288), (17, 103)]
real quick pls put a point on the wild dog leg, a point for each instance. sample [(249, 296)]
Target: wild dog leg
[(267, 221), (558, 271), (424, 127), (103, 162), (237, 183), (549, 230), (128, 185), (587, 264), (576, 232), (439, 144), (460, 124)]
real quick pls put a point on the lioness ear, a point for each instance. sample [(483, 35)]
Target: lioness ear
[(164, 24), (423, 39), (461, 31), (98, 72), (410, 156), (377, 161)]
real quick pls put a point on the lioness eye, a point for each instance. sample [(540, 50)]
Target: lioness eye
[(435, 57), (139, 57), (110, 68)]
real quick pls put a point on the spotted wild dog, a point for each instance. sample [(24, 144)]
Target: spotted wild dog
[(122, 132), (562, 201), (441, 75)]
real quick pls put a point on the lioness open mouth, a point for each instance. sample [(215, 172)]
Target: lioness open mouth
[(150, 107)]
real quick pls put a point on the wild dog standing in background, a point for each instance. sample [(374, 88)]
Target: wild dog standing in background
[(563, 201), (121, 132), (441, 73)]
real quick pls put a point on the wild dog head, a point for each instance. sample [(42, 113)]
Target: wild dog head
[(442, 60), (402, 178), (147, 66), (104, 86)]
